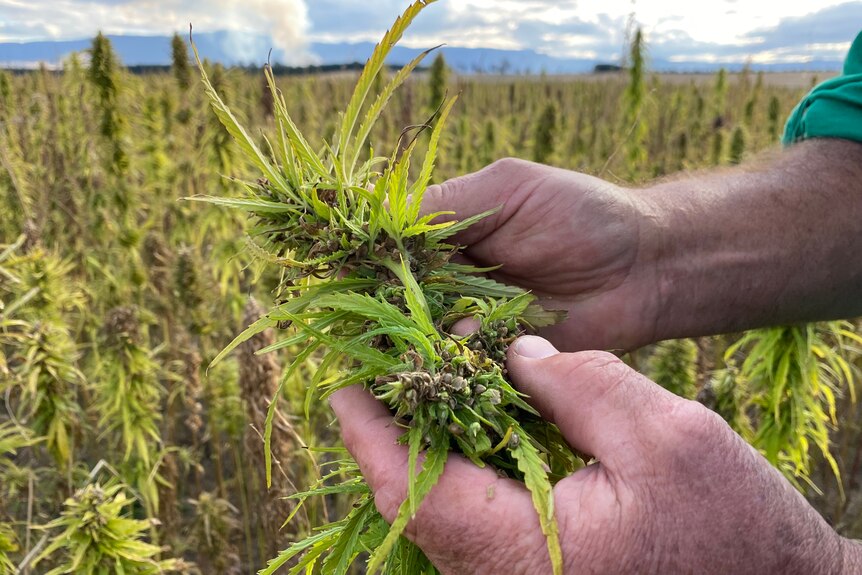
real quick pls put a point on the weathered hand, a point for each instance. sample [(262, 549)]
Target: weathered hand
[(575, 241), (674, 490)]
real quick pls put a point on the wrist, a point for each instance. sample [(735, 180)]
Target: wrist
[(709, 272), (652, 273)]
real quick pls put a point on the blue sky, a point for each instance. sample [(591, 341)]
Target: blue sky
[(763, 31)]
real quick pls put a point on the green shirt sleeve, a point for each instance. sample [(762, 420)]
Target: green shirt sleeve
[(834, 108)]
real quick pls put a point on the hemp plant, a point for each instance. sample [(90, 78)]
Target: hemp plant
[(97, 537), (369, 284)]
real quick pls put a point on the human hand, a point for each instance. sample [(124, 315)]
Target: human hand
[(674, 490), (575, 241)]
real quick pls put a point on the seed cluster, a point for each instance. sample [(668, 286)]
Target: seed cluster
[(461, 391), (494, 337)]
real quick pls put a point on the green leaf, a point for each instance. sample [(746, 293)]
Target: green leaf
[(432, 469), (295, 138), (346, 548), (257, 327), (319, 543), (537, 316), (242, 138), (533, 468), (417, 190), (511, 308), (414, 445), (364, 305), (380, 103), (482, 287), (366, 79), (247, 204), (459, 226), (273, 406), (420, 313)]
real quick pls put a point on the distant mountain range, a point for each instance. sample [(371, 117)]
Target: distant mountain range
[(155, 51)]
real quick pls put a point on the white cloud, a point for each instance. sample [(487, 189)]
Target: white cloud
[(285, 21), (676, 30)]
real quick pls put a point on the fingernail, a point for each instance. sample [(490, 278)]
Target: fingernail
[(534, 347)]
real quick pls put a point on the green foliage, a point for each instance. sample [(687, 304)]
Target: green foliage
[(737, 145), (39, 353), (127, 398), (720, 94), (82, 239), (673, 365), (727, 393), (103, 74), (97, 538), (774, 116), (717, 152), (634, 126), (5, 94), (8, 544), (438, 82), (213, 527), (546, 129), (180, 63), (794, 374), (489, 143), (389, 294)]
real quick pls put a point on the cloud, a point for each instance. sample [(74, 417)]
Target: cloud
[(824, 34), (504, 24), (285, 21), (676, 30), (830, 25)]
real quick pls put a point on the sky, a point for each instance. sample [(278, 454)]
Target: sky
[(760, 31)]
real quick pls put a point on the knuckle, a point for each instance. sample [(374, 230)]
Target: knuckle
[(508, 166), (446, 191), (516, 559), (692, 426), (508, 163), (389, 493), (595, 363)]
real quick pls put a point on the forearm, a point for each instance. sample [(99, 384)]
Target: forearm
[(743, 248)]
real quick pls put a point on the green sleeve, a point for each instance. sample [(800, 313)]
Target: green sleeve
[(834, 108)]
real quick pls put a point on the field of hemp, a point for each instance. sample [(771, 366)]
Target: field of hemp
[(149, 219)]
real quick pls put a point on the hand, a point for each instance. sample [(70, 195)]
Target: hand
[(675, 490), (573, 240)]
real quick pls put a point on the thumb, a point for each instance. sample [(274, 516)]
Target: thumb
[(602, 407)]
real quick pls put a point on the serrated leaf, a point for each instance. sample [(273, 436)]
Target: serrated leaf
[(417, 190), (320, 542), (295, 138), (242, 138), (459, 226), (257, 327), (479, 286), (432, 469), (537, 316), (420, 313), (246, 204), (511, 308), (369, 73), (380, 103), (346, 548), (542, 493)]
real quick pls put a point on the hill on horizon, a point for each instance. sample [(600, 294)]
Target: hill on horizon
[(155, 51)]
